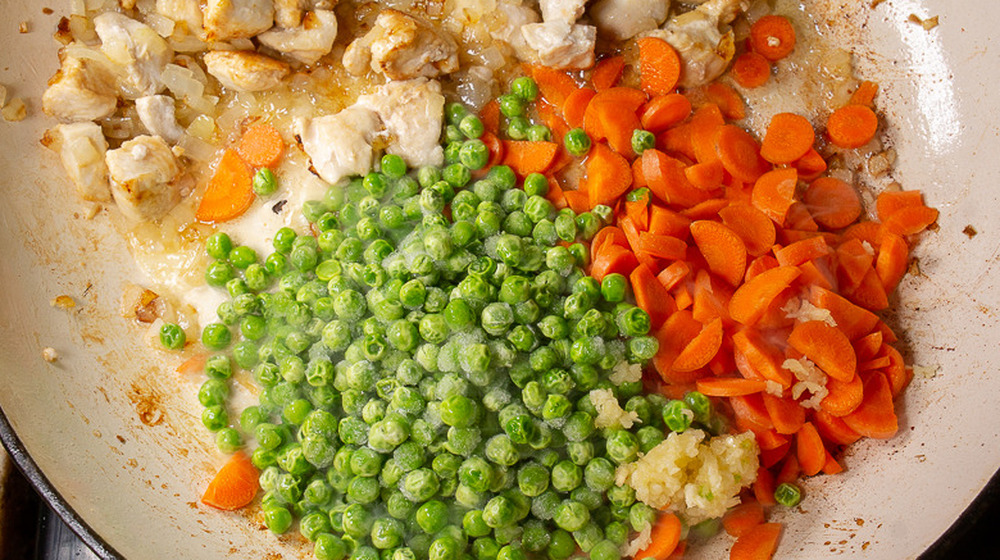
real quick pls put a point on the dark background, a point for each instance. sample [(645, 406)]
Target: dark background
[(33, 532)]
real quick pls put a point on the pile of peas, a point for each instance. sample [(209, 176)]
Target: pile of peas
[(425, 362)]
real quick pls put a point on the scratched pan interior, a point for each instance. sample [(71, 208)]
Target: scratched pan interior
[(120, 441)]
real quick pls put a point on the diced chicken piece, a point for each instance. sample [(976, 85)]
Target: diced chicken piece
[(412, 113), (561, 44), (512, 17), (145, 178), (81, 148), (158, 115), (308, 42), (82, 90), (340, 145), (567, 11), (703, 39), (187, 12), (402, 47), (138, 49), (245, 70), (237, 19), (621, 20), (288, 13)]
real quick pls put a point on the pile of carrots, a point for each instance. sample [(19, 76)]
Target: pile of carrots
[(723, 238)]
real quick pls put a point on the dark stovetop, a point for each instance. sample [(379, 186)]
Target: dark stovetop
[(33, 532)]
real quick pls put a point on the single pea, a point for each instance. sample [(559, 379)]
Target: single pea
[(214, 417), (605, 550), (329, 547), (572, 516), (699, 405), (539, 133), (512, 105), (455, 112), (172, 336), (277, 519), (518, 127), (218, 273), (536, 184), (216, 336), (577, 142), (218, 245), (471, 126), (525, 88), (474, 154), (242, 257), (787, 494), (393, 166), (642, 140), (614, 287), (228, 440), (264, 182)]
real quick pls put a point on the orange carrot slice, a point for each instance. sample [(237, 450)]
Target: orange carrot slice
[(827, 347), (261, 146), (229, 193), (875, 417), (701, 349), (753, 298), (788, 138), (774, 192), (659, 66), (234, 486), (722, 248)]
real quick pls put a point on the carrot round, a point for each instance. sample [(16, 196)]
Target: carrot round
[(261, 146), (664, 111), (526, 157), (659, 66), (229, 193), (833, 203), (742, 518), (729, 386), (753, 226), (774, 192), (810, 450), (786, 414), (607, 73), (234, 486), (751, 70), (788, 138), (729, 102), (811, 165), (673, 274), (852, 126), (875, 417), (722, 248), (701, 349), (827, 347), (554, 85), (773, 37), (756, 357), (706, 176), (664, 538), (739, 153), (753, 298), (896, 372), (608, 175)]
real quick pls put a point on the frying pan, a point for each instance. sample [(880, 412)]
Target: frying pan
[(114, 441)]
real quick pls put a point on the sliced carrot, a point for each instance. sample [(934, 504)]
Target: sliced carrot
[(827, 347), (910, 221), (758, 543), (773, 37), (751, 225), (705, 123), (763, 487), (261, 146), (740, 519), (673, 274), (888, 202), (865, 94), (729, 102), (751, 70), (575, 106), (774, 193), (869, 232), (706, 176), (490, 115), (193, 365), (852, 320), (526, 157), (853, 262), (892, 261), (739, 153), (578, 200), (831, 466), (786, 414), (706, 210), (677, 331), (771, 457), (495, 147), (729, 386), (667, 222), (833, 430), (613, 259), (867, 347), (659, 66), (607, 72), (753, 298), (664, 111), (665, 177), (608, 175), (611, 114), (761, 264), (875, 417), (662, 246), (701, 349), (896, 372), (852, 126), (556, 195), (790, 470), (651, 296), (870, 293), (607, 234), (722, 248), (664, 537), (832, 202), (788, 138), (802, 251), (811, 453), (749, 410), (229, 193), (676, 141), (234, 486), (554, 85), (811, 165)]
